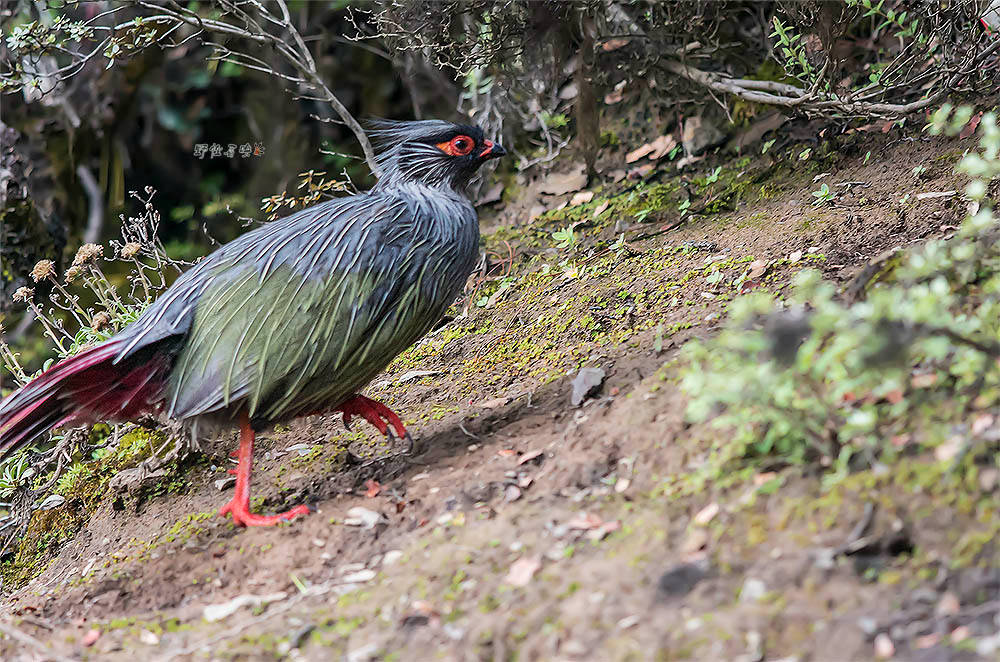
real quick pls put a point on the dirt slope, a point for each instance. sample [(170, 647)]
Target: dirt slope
[(530, 529)]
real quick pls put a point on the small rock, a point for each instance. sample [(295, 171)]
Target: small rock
[(628, 622), (453, 632), (148, 638), (416, 374), (699, 134), (217, 612), (392, 557), (318, 542), (366, 653), (755, 646), (359, 576), (574, 648), (223, 483), (91, 637), (987, 646), (360, 516), (753, 590), (681, 579), (586, 383), (884, 648)]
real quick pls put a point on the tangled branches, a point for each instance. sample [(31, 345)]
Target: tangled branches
[(39, 57)]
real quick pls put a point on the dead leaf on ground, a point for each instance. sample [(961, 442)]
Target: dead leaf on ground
[(523, 570), (564, 182), (493, 403), (655, 149), (372, 488), (601, 208), (528, 457), (91, 637), (795, 257), (895, 396), (603, 530), (757, 269), (616, 95), (617, 175), (584, 522), (581, 198), (506, 452), (924, 381), (970, 128), (614, 44), (706, 514)]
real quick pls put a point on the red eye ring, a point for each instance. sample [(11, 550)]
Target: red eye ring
[(458, 146)]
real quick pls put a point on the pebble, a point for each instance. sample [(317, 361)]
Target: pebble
[(753, 590), (884, 648), (366, 653), (91, 637), (392, 557), (360, 576), (360, 516)]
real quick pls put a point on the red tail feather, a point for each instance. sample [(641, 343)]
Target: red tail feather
[(84, 388)]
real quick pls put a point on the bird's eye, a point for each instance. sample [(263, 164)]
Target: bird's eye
[(458, 146)]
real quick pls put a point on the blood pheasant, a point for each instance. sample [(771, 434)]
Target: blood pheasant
[(290, 319)]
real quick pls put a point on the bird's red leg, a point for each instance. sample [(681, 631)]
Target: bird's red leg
[(375, 413), (239, 505)]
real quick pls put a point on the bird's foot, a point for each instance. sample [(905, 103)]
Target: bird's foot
[(239, 505), (384, 419), (240, 510)]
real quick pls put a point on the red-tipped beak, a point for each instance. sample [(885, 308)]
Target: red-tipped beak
[(493, 150)]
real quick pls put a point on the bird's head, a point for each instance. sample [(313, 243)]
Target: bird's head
[(431, 152)]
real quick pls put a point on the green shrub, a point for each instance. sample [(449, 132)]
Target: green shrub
[(916, 362)]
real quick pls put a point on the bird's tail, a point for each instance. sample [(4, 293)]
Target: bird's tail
[(86, 387)]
